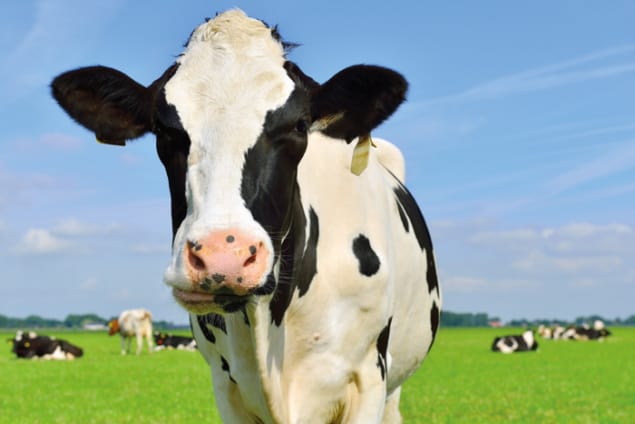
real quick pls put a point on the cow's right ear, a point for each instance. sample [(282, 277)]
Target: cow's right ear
[(356, 100), (106, 101)]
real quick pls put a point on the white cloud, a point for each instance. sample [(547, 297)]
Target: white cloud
[(462, 283), (89, 284), (146, 248), (75, 228), (540, 262), (545, 77), (41, 241), (616, 160)]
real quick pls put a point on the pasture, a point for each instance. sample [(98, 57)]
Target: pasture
[(461, 381)]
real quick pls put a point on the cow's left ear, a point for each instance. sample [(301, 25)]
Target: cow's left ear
[(356, 100), (106, 101)]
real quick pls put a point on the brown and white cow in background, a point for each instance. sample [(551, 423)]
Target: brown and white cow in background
[(131, 323), (310, 281)]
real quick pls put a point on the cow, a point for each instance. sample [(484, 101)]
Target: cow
[(572, 332), (132, 323), (585, 332), (304, 262), (555, 332), (524, 342), (33, 346), (171, 341)]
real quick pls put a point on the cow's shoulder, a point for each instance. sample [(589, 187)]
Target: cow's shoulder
[(390, 157)]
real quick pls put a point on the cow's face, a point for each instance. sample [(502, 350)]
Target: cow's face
[(246, 125), (231, 118)]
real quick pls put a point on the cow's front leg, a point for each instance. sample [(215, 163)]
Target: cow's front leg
[(367, 402), (139, 343), (123, 345), (336, 393)]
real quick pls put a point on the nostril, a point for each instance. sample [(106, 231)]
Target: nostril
[(253, 251), (194, 260), (250, 260)]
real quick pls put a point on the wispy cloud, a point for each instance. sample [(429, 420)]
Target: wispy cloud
[(38, 241), (616, 160), (571, 71), (72, 227)]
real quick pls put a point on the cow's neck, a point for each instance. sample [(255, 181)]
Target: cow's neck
[(267, 316)]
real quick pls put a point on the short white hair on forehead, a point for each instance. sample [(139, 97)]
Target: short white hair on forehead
[(238, 32)]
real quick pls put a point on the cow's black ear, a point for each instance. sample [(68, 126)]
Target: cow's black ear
[(356, 100), (106, 101)]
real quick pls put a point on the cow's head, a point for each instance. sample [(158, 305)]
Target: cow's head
[(231, 119), (113, 327)]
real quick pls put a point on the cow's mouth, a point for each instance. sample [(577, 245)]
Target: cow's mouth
[(200, 302)]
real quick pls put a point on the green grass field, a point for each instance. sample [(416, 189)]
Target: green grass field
[(460, 382)]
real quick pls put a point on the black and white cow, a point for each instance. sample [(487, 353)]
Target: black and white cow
[(312, 290), (33, 346), (172, 341), (524, 342)]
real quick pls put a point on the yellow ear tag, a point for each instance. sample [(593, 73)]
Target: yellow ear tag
[(360, 154)]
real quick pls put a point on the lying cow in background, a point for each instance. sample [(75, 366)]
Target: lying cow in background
[(572, 332), (32, 346), (516, 343), (133, 323), (305, 263), (170, 341)]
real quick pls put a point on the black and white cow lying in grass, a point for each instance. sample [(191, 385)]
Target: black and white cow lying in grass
[(583, 332), (305, 263), (524, 342), (172, 341), (33, 346)]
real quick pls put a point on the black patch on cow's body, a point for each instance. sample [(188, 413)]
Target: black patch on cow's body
[(434, 323), (308, 263), (382, 349), (407, 202), (217, 321), (402, 215), (245, 317), (225, 367), (299, 264), (368, 260), (202, 321)]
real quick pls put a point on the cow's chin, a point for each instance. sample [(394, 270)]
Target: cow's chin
[(204, 303)]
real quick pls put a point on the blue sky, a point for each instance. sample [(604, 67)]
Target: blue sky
[(519, 136)]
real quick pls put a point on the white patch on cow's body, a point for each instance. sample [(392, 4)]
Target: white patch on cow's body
[(229, 77), (528, 336), (505, 348), (57, 354)]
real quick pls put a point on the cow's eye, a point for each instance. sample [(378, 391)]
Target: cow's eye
[(301, 126)]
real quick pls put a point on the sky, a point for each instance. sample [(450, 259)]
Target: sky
[(518, 134)]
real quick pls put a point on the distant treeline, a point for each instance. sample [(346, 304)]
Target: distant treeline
[(72, 321), (453, 319), (448, 319)]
